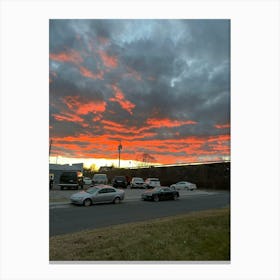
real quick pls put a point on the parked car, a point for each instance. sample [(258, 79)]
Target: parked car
[(51, 179), (98, 194), (160, 193), (183, 185), (87, 181), (100, 179), (152, 183), (119, 182), (71, 180), (137, 182)]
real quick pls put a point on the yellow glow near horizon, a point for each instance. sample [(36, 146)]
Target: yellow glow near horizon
[(96, 161)]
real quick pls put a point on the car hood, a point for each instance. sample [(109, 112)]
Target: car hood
[(80, 194)]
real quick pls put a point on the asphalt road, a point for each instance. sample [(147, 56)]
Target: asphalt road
[(76, 218)]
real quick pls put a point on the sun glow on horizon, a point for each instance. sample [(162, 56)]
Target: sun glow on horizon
[(98, 162)]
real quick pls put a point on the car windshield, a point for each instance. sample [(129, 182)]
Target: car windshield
[(92, 190), (99, 176)]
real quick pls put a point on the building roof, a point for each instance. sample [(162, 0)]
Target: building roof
[(66, 167)]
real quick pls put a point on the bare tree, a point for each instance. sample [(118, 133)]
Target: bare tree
[(146, 159)]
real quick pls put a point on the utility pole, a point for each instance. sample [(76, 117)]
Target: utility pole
[(119, 149), (50, 148)]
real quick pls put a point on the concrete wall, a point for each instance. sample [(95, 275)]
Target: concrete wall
[(205, 176)]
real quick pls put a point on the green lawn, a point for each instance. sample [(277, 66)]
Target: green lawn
[(198, 236)]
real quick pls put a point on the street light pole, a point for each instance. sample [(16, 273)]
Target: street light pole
[(50, 147), (119, 149)]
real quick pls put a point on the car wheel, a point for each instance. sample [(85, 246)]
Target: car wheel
[(87, 202), (156, 198), (61, 188), (175, 196), (117, 200)]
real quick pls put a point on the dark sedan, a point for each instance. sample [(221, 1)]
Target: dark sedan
[(160, 193), (119, 182)]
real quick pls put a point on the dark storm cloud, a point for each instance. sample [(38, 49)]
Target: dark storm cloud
[(176, 70)]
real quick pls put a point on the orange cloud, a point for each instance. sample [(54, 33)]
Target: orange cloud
[(119, 98), (124, 133), (108, 61), (167, 122), (94, 107), (67, 117), (67, 56), (84, 107), (88, 74), (189, 149), (113, 124), (221, 126)]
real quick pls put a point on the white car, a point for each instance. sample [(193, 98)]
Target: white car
[(152, 183), (87, 181), (183, 185), (137, 182), (100, 179)]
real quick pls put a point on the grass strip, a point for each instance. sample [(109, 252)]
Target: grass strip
[(198, 236)]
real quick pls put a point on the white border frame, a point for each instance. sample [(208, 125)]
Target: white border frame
[(254, 145)]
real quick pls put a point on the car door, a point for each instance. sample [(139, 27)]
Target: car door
[(105, 195), (168, 193), (181, 186), (100, 196), (161, 194), (110, 195), (164, 195)]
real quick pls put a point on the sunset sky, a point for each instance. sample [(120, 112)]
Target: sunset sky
[(161, 87)]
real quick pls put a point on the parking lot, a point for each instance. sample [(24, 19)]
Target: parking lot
[(57, 196)]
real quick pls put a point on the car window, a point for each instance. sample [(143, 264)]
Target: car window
[(68, 175), (100, 176), (103, 191), (92, 190), (110, 190)]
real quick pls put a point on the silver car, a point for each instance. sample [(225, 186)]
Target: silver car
[(98, 194), (183, 185)]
